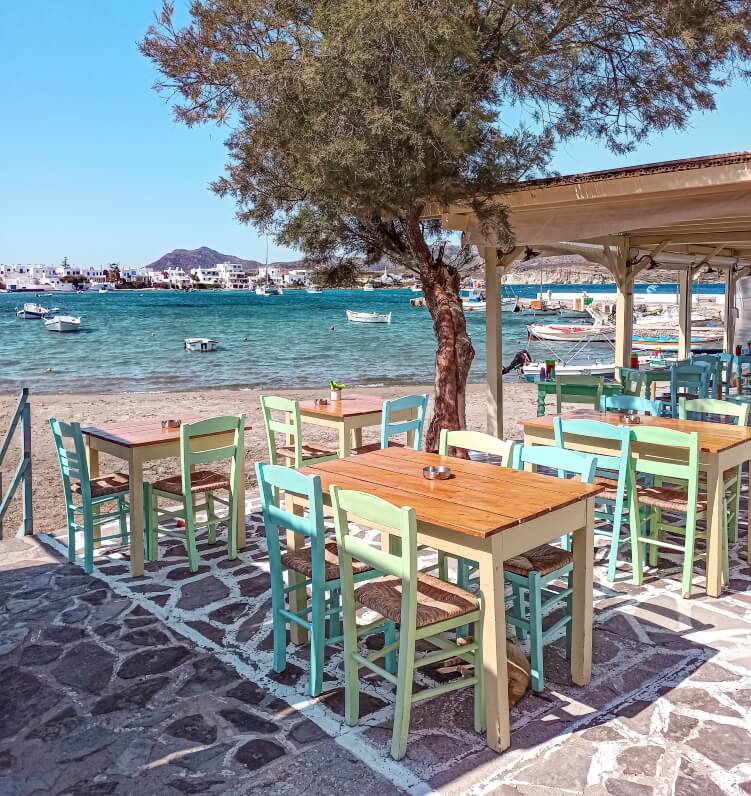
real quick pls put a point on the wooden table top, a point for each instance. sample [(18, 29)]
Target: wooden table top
[(479, 500), (713, 437), (351, 405), (136, 433)]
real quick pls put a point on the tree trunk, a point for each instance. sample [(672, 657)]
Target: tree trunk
[(454, 350)]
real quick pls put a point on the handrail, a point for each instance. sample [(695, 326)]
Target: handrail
[(23, 471)]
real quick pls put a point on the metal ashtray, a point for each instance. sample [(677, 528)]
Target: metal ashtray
[(171, 425), (631, 420), (436, 473)]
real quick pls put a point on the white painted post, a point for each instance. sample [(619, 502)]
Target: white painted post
[(624, 319), (493, 343), (685, 285), (728, 341)]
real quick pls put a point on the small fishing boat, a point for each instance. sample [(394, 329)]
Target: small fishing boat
[(701, 339), (416, 289), (531, 371), (106, 289), (31, 312), (368, 288), (268, 289), (572, 332), (202, 344), (368, 317), (312, 289), (62, 323)]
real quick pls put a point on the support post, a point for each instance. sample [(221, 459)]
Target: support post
[(624, 318), (685, 284), (493, 343), (728, 342), (28, 506)]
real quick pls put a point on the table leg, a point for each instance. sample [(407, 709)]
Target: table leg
[(345, 443), (298, 599), (92, 461), (357, 437), (715, 511), (581, 608), (494, 646), (240, 521), (136, 514)]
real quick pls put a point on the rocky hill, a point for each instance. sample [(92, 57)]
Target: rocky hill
[(206, 258)]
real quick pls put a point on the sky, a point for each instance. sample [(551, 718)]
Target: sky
[(94, 168)]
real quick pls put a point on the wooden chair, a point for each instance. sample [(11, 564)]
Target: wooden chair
[(633, 381), (690, 380), (84, 494), (728, 369), (631, 403), (424, 607), (713, 409), (533, 572), (294, 453), (318, 563), (577, 390), (187, 488), (391, 428), (611, 505), (714, 380), (669, 456)]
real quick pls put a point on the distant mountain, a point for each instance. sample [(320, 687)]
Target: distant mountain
[(206, 258)]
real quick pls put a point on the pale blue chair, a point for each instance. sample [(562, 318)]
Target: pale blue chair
[(84, 494), (391, 428), (631, 403)]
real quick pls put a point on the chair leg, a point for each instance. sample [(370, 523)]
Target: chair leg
[(736, 503), (657, 534), (190, 536), (122, 520), (389, 637), (279, 622), (88, 543), (317, 640), (403, 707), (71, 537), (463, 567), (637, 546), (211, 517), (351, 669), (688, 555), (232, 527), (535, 631), (570, 613), (519, 610), (480, 675)]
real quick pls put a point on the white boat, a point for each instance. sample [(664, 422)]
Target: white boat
[(312, 289), (62, 323), (106, 289), (572, 332), (416, 289), (268, 289), (368, 287), (368, 317), (658, 340), (473, 299), (32, 312), (532, 370), (200, 344)]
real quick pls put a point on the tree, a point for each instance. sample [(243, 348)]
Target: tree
[(350, 121), (112, 273)]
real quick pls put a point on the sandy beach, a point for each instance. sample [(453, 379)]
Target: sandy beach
[(49, 514)]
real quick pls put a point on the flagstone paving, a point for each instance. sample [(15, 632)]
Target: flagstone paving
[(163, 684)]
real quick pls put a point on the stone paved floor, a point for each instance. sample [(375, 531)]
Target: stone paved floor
[(164, 684)]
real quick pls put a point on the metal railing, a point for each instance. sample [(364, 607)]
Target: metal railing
[(22, 474)]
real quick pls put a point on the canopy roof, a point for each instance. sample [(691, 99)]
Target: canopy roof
[(681, 212)]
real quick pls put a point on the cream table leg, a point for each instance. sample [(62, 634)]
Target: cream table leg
[(715, 508), (494, 646), (298, 599), (581, 622), (136, 514), (345, 439), (92, 461)]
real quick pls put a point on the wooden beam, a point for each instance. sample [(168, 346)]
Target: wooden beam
[(728, 341), (493, 342), (701, 236)]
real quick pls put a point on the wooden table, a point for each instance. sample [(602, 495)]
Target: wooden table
[(139, 441), (349, 417), (546, 387), (487, 514), (721, 446)]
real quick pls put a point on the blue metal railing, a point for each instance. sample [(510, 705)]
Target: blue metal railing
[(22, 474)]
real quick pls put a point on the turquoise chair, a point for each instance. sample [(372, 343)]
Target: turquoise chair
[(194, 482), (715, 365), (728, 368), (533, 572), (91, 492), (318, 563), (694, 379), (633, 380), (391, 428), (631, 403), (612, 472)]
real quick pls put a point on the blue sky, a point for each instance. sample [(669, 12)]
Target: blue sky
[(94, 168)]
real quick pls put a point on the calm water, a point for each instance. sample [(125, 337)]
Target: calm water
[(133, 341)]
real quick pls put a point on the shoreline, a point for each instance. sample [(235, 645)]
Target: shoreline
[(98, 408)]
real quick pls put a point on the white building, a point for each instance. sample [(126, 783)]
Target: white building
[(273, 272), (298, 276), (232, 276)]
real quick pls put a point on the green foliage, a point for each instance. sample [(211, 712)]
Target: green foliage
[(334, 385)]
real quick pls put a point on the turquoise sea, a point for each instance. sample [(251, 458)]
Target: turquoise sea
[(133, 340)]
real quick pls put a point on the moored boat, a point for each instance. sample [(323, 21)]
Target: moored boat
[(268, 289), (701, 339), (201, 344), (62, 323), (531, 371), (31, 312), (572, 332), (312, 289), (368, 317)]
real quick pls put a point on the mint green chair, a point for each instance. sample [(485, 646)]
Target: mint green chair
[(533, 573), (424, 607), (577, 390), (192, 484), (709, 409), (670, 457), (84, 494), (294, 453), (318, 563), (612, 473), (633, 381)]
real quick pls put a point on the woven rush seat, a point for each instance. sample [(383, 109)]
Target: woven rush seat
[(543, 559), (299, 561), (375, 446), (662, 497), (437, 600), (308, 451), (611, 486), (200, 481), (103, 485)]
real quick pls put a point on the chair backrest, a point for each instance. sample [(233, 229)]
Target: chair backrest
[(391, 427), (566, 462), (713, 409), (387, 516), (631, 403), (714, 366), (694, 378), (290, 424), (578, 390), (596, 429), (632, 380), (728, 366), (272, 478), (232, 451), (478, 442), (71, 455)]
